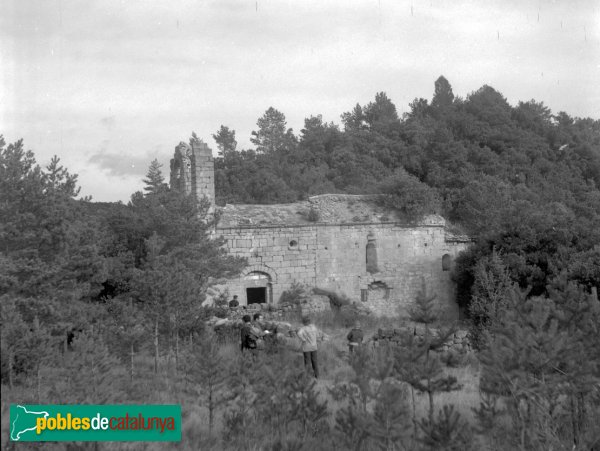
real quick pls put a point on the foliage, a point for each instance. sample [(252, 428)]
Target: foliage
[(337, 300), (540, 355), (295, 295), (89, 291), (522, 181), (447, 431), (489, 292), (313, 215), (386, 424), (205, 370), (154, 180)]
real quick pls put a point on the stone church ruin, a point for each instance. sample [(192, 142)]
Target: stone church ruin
[(344, 243)]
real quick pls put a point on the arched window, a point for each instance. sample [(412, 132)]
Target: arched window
[(446, 262), (371, 254)]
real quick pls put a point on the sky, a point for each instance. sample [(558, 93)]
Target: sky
[(110, 85)]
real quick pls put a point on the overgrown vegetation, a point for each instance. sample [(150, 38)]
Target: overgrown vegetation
[(100, 303)]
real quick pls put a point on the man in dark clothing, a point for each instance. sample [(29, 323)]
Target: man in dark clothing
[(248, 335), (234, 302), (355, 337)]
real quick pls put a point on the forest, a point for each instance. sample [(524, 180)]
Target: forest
[(101, 302)]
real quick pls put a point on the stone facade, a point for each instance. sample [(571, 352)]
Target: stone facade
[(193, 171), (355, 247), (334, 257)]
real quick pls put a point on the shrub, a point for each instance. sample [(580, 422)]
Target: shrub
[(313, 215), (337, 301), (294, 296)]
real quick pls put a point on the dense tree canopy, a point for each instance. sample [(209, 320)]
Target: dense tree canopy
[(521, 180)]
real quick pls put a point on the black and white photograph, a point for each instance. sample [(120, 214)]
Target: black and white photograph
[(275, 225)]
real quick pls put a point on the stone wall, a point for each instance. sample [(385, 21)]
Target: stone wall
[(333, 257), (203, 176), (458, 342)]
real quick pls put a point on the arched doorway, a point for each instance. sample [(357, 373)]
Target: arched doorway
[(258, 288)]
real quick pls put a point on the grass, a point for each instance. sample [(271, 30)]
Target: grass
[(166, 386)]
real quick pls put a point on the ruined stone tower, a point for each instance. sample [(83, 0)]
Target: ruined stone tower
[(193, 171)]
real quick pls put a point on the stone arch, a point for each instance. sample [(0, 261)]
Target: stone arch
[(256, 283), (446, 262), (260, 268)]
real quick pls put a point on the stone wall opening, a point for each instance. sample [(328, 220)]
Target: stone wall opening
[(256, 295), (258, 288), (378, 291), (371, 254), (446, 262)]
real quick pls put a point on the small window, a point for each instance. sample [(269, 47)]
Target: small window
[(293, 244), (446, 262)]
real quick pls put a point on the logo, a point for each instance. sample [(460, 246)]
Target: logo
[(125, 423)]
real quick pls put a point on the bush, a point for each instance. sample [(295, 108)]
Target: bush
[(294, 296), (337, 301), (209, 312), (313, 215)]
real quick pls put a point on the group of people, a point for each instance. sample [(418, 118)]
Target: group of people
[(253, 334)]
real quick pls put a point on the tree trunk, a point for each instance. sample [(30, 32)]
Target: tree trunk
[(10, 369), (131, 362), (176, 349), (430, 395), (414, 416), (38, 384), (156, 346), (211, 412)]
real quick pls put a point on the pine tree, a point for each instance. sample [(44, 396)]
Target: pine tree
[(93, 375), (383, 426), (127, 330), (12, 330), (446, 432), (225, 139), (240, 419), (536, 355), (272, 135), (205, 371), (415, 363), (488, 295), (154, 181)]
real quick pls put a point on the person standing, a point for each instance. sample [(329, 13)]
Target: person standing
[(309, 335), (355, 337), (234, 303), (249, 338)]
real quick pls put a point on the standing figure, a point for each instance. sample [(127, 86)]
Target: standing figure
[(355, 337), (309, 335), (234, 302), (249, 338)]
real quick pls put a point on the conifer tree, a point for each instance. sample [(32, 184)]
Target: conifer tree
[(538, 353), (93, 375), (12, 330), (40, 348), (446, 432), (385, 424), (240, 420), (205, 371), (488, 295), (415, 363), (127, 329), (154, 181)]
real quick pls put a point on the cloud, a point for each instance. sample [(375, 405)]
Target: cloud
[(123, 164), (109, 122)]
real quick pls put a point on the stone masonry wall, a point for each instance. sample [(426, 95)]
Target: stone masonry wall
[(203, 175), (333, 257)]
